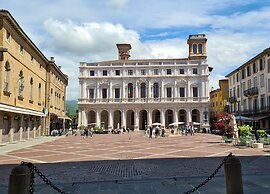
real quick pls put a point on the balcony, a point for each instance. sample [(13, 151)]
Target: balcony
[(232, 99), (251, 91)]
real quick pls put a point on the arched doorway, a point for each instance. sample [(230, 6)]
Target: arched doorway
[(104, 119), (130, 119), (182, 116), (117, 119), (168, 117), (91, 118), (143, 120), (195, 115), (156, 116)]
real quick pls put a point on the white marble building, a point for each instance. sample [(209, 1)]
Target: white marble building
[(136, 93)]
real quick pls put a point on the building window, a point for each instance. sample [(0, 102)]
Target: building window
[(249, 84), (91, 93), (238, 92), (194, 71), (194, 48), (169, 72), (262, 101), (182, 71), (262, 80), (21, 50), (104, 92), (117, 93), (143, 72), (32, 59), (104, 72), (255, 82), (243, 74), (155, 71), (8, 36), (21, 84), (92, 73), (200, 48), (39, 93), (237, 77), (117, 72), (261, 65), (156, 90), (268, 65), (6, 77), (195, 91), (169, 92), (31, 89), (130, 72), (130, 90), (255, 69), (182, 92), (248, 71), (268, 85), (143, 90)]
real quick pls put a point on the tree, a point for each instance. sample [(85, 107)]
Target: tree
[(223, 124)]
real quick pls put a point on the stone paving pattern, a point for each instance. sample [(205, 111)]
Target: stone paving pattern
[(80, 164)]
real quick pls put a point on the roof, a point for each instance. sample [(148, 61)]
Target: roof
[(250, 61)]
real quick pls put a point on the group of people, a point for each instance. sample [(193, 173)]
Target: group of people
[(156, 131), (188, 129), (87, 132)]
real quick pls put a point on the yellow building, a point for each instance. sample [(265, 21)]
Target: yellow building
[(218, 100), (25, 78)]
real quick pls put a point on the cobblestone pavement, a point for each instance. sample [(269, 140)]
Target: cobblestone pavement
[(112, 163)]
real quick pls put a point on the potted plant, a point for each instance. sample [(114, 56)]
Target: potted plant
[(245, 134), (261, 135)]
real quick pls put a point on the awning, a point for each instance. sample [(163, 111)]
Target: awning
[(243, 118), (66, 118), (13, 109), (259, 118)]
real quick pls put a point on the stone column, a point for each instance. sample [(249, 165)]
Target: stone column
[(79, 118), (97, 118), (111, 91), (175, 115), (84, 118), (110, 119), (28, 127), (20, 128), (98, 92), (162, 119), (189, 119), (162, 90), (123, 90), (175, 96), (136, 128), (149, 117), (136, 91), (34, 128), (123, 118), (11, 131), (149, 90), (188, 91), (84, 90)]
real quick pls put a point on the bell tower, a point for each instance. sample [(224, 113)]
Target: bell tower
[(197, 46), (123, 51)]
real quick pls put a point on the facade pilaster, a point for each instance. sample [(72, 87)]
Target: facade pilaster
[(189, 119), (20, 128), (149, 117), (124, 89), (175, 116), (149, 89), (98, 92), (162, 115), (188, 91), (110, 119), (111, 90), (162, 90), (123, 118), (136, 120), (11, 131), (98, 118)]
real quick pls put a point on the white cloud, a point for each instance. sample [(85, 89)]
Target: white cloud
[(117, 3)]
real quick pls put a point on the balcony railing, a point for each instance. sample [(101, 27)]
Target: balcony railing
[(141, 100), (232, 99), (265, 109), (251, 91)]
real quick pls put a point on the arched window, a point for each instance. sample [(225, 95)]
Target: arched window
[(31, 89), (39, 93), (194, 48), (156, 90), (130, 90), (199, 48), (21, 84), (143, 90), (6, 77)]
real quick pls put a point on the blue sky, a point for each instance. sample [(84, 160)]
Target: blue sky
[(80, 30)]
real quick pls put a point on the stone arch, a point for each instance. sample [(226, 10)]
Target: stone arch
[(182, 116), (130, 119), (117, 119), (104, 119), (195, 115), (168, 117), (143, 120), (156, 116), (91, 118)]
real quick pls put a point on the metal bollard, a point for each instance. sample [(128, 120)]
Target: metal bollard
[(233, 176), (19, 180)]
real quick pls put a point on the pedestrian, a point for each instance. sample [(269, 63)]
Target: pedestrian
[(156, 131), (150, 132), (192, 130), (163, 132)]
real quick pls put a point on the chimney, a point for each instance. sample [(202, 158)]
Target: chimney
[(123, 51)]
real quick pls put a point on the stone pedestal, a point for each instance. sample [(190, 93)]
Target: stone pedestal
[(11, 135), (257, 145)]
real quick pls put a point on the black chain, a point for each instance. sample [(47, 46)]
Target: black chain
[(33, 170), (210, 177)]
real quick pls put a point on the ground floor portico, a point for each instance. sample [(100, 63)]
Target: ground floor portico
[(140, 117)]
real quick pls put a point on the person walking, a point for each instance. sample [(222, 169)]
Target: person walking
[(150, 132)]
